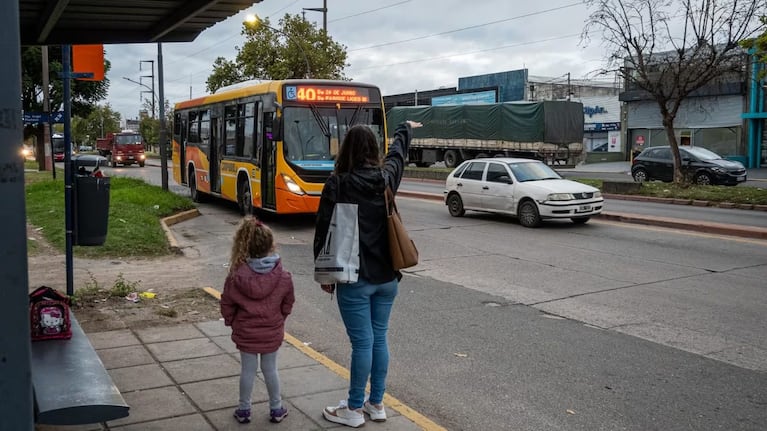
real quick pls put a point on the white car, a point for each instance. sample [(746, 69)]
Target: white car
[(525, 188)]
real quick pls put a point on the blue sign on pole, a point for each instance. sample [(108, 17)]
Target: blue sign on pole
[(43, 117)]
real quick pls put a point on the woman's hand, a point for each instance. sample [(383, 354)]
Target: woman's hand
[(330, 288), (414, 124)]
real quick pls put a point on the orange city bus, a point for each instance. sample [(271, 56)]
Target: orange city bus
[(269, 145)]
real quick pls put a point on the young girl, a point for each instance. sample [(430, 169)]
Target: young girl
[(258, 297)]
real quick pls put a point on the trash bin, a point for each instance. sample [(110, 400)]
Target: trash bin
[(91, 200)]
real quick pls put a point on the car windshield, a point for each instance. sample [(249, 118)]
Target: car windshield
[(313, 133), (532, 171), (702, 153)]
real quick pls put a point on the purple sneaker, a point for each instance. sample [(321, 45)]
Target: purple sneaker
[(242, 416), (277, 415)]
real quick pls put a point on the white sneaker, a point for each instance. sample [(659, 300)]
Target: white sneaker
[(342, 414), (375, 414)]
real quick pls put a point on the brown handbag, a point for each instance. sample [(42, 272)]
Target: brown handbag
[(404, 254)]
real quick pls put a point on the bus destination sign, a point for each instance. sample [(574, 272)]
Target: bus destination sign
[(322, 93)]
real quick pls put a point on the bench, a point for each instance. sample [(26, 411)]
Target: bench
[(71, 385)]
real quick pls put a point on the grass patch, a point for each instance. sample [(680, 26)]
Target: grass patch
[(135, 210), (735, 195)]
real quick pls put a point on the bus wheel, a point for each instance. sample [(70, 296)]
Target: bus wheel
[(193, 187), (245, 198)]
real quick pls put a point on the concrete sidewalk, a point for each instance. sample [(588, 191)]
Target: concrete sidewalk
[(186, 377)]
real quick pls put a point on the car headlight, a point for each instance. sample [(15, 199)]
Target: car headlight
[(292, 186), (597, 194), (719, 170), (560, 197)]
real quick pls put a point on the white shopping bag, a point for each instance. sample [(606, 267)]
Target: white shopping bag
[(339, 259)]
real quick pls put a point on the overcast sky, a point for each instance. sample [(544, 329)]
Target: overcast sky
[(399, 45)]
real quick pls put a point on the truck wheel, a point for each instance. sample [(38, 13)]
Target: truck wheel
[(114, 164), (451, 159), (482, 156), (141, 164)]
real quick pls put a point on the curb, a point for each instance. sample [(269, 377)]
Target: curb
[(173, 219)]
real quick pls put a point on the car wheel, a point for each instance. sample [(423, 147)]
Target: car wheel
[(640, 175), (244, 198), (455, 205), (580, 220), (451, 159), (702, 178), (528, 214)]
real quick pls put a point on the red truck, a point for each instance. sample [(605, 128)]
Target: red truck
[(124, 148)]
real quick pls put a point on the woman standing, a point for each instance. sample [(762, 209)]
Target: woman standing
[(365, 306)]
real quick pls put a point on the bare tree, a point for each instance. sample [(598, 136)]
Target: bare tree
[(672, 48)]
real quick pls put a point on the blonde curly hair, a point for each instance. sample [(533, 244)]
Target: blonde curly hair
[(253, 239)]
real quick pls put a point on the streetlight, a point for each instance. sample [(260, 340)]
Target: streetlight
[(324, 10), (255, 21), (151, 90)]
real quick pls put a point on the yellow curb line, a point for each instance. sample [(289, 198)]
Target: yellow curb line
[(176, 218), (422, 421)]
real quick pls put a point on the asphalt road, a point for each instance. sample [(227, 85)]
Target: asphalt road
[(604, 326)]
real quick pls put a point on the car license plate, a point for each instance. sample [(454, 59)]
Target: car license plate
[(130, 157), (584, 208), (741, 178)]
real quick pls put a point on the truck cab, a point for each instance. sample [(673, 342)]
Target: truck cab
[(124, 148)]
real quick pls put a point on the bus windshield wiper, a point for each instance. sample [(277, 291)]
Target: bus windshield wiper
[(318, 118)]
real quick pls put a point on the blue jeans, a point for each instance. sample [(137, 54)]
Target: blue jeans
[(365, 310)]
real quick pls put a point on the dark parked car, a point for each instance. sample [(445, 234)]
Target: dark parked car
[(702, 166)]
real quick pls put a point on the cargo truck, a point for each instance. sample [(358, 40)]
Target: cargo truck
[(551, 131), (124, 148)]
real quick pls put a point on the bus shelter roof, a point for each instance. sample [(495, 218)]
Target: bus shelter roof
[(83, 22)]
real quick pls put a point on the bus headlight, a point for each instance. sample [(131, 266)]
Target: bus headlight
[(292, 186)]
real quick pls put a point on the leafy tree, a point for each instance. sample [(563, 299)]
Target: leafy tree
[(85, 94), (281, 53), (102, 120), (672, 48), (759, 44)]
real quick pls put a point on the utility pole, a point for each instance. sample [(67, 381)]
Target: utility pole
[(163, 126), (569, 90), (140, 64), (324, 10)]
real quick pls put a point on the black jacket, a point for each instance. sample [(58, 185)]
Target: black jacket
[(365, 186)]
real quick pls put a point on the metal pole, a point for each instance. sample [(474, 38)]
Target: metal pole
[(163, 126), (16, 411), (325, 16), (47, 140), (66, 72)]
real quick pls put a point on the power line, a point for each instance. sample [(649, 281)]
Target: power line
[(468, 28), (370, 11), (473, 52)]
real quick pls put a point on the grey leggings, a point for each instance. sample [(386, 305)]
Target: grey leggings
[(249, 362)]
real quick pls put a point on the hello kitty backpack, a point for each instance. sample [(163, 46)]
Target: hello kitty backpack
[(49, 314)]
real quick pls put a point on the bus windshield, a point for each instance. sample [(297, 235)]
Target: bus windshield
[(57, 143), (313, 134)]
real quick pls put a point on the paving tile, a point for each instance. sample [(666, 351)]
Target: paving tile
[(140, 377), (186, 423), (294, 380), (184, 349), (290, 357), (222, 393), (129, 356), (214, 328), (154, 404), (168, 333), (296, 420), (206, 368), (311, 405), (110, 339), (225, 342)]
